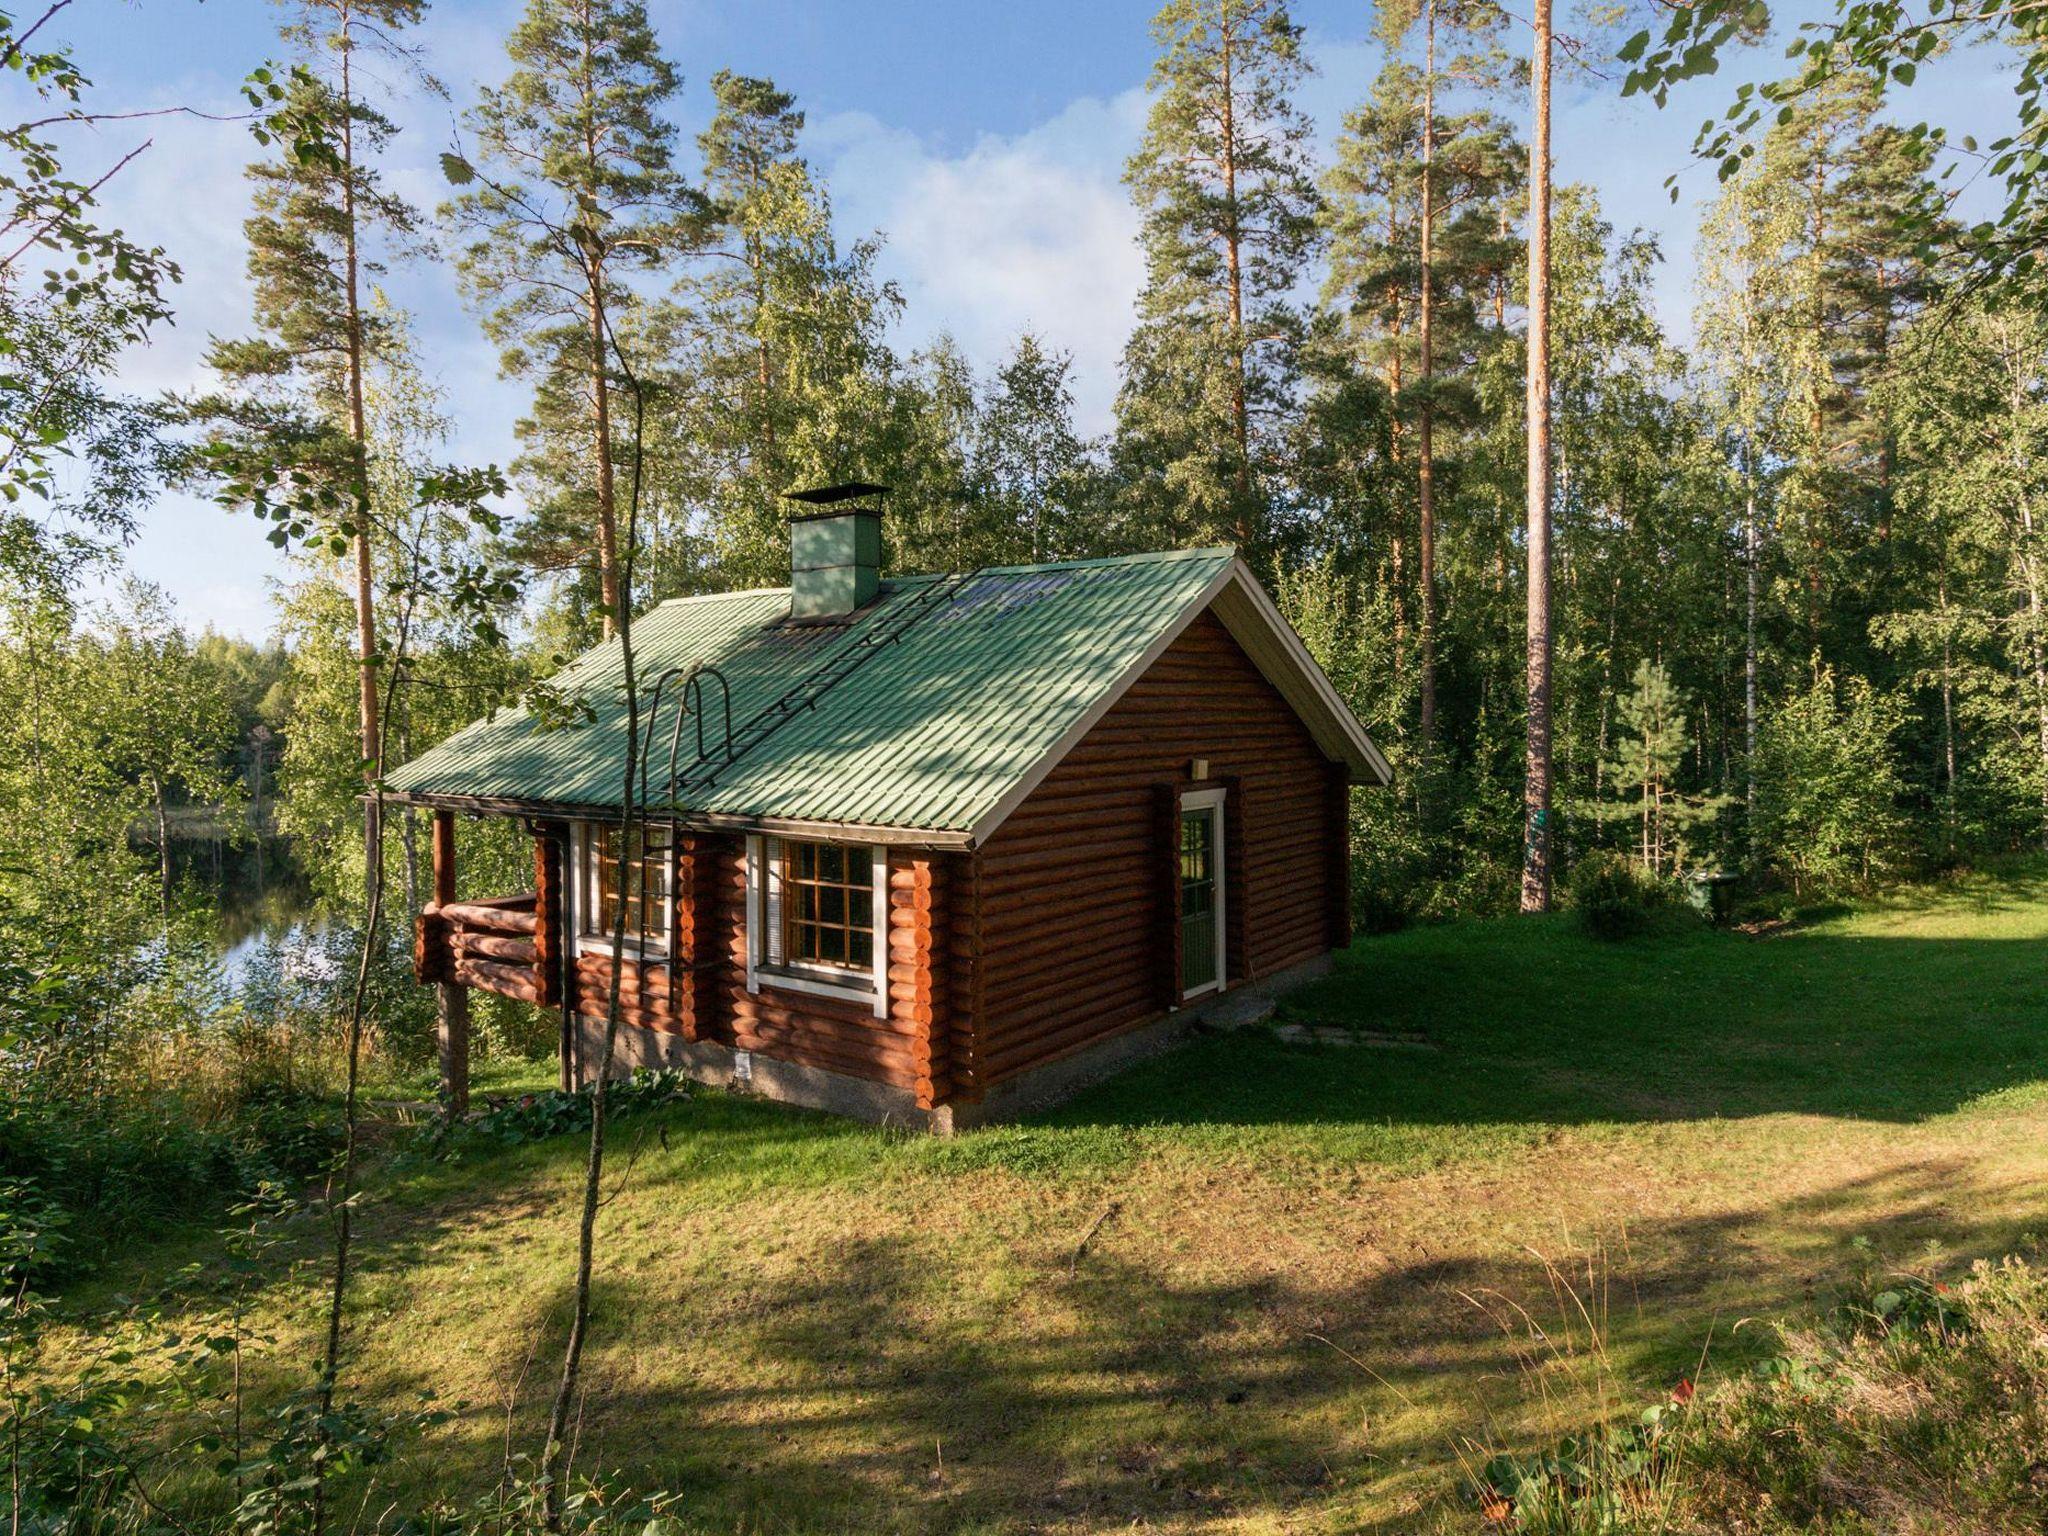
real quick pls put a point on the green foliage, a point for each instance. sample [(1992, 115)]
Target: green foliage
[(1877, 47), (574, 191), (540, 1116), (1614, 897), (1909, 1409), (1229, 202), (1614, 1480), (1640, 777), (1827, 785)]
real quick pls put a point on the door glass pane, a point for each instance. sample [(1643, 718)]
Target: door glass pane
[(1198, 937)]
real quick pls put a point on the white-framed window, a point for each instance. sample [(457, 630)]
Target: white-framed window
[(818, 919), (633, 871)]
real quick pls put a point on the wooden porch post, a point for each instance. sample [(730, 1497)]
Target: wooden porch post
[(451, 1000)]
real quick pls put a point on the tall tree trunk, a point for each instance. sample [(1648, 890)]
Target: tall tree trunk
[(1948, 704), (2018, 365), (2037, 661), (1425, 467), (1750, 579), (1396, 455), (1816, 418), (1536, 870), (370, 726), (601, 445), (609, 593)]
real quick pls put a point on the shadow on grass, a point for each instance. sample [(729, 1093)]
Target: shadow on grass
[(869, 1392)]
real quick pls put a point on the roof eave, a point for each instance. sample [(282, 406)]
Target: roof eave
[(709, 821)]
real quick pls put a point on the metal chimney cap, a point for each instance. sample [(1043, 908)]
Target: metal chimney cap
[(827, 495)]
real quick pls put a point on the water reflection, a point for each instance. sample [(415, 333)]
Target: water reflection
[(280, 914)]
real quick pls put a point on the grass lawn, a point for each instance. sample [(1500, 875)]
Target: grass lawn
[(1291, 1315)]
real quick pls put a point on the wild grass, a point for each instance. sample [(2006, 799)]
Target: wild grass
[(806, 1326), (1920, 1409)]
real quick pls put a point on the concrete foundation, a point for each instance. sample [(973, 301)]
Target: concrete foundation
[(881, 1104)]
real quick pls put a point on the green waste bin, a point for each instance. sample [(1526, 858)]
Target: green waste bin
[(1711, 892)]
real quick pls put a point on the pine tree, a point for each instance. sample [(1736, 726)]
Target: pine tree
[(1414, 206), (1229, 222), (1642, 774), (575, 191), (293, 406), (778, 336)]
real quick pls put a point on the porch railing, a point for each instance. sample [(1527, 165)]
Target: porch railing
[(494, 945)]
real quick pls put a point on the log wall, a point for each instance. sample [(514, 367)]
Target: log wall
[(1079, 930), (1062, 930)]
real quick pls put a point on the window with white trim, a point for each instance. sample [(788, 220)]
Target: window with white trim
[(817, 918), (631, 870)]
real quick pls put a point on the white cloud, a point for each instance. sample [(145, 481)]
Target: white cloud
[(1029, 231)]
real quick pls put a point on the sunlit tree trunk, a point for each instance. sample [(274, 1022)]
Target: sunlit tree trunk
[(1425, 467), (370, 724), (1536, 871)]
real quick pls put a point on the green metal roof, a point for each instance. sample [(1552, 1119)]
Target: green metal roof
[(930, 732)]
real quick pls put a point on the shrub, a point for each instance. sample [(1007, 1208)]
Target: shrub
[(1930, 1404), (1917, 1407), (1614, 1478), (538, 1116), (1613, 899)]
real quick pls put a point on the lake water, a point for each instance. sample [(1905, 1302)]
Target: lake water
[(279, 913)]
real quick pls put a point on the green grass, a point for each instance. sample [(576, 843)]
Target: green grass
[(1303, 1296)]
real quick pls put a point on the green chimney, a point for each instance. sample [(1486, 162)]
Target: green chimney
[(835, 556)]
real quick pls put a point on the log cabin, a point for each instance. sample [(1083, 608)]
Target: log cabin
[(936, 849)]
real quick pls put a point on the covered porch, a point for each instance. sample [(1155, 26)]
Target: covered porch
[(510, 945)]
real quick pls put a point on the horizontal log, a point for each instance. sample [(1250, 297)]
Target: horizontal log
[(505, 980), (893, 1068), (494, 919), (639, 1018), (637, 978), (1027, 972), (595, 1003), (1010, 1028), (887, 1034), (1080, 996), (497, 946), (1055, 846), (865, 1025), (1039, 1050), (1103, 896), (600, 986)]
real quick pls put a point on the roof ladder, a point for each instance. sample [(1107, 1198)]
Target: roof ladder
[(889, 627)]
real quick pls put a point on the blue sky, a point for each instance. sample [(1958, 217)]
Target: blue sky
[(984, 138)]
